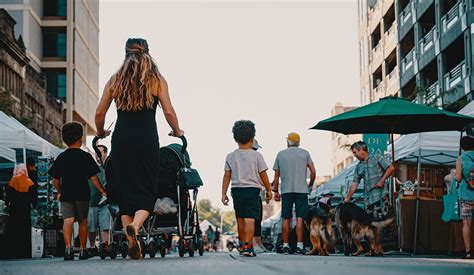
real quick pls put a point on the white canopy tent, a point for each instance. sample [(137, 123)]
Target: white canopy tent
[(16, 135), (8, 154)]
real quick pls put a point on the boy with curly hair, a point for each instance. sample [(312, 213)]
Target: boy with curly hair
[(244, 167)]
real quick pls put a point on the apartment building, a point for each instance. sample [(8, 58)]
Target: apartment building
[(61, 38), (435, 51)]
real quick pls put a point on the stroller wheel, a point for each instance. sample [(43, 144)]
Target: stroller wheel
[(191, 248), (162, 250), (144, 247), (152, 249), (124, 250), (181, 247), (113, 249), (201, 247)]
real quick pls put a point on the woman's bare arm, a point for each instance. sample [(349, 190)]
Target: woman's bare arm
[(168, 110), (101, 111)]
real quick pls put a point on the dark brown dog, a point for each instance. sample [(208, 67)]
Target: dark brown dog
[(354, 223), (321, 232)]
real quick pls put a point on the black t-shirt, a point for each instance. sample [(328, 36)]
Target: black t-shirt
[(73, 168)]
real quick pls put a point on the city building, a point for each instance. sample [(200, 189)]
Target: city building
[(61, 38), (22, 89), (378, 54), (340, 144), (435, 51)]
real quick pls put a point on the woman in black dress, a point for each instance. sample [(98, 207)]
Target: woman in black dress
[(137, 89), (19, 199)]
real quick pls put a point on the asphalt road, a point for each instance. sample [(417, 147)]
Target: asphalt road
[(232, 263)]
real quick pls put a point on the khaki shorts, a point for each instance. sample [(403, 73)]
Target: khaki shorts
[(75, 209)]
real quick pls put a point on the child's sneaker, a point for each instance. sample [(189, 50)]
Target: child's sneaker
[(249, 252), (241, 248), (68, 254)]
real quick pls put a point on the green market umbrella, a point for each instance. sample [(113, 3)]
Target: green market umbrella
[(394, 115)]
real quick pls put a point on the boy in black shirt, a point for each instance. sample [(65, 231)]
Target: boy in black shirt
[(70, 173)]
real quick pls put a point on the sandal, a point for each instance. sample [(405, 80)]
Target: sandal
[(468, 255), (134, 249)]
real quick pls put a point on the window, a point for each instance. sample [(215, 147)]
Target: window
[(54, 43), (56, 83), (55, 8)]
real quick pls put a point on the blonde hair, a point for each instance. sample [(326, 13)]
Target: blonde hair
[(135, 81)]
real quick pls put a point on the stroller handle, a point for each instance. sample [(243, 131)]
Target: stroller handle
[(96, 149), (185, 144)]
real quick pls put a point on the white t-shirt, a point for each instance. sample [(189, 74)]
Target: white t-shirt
[(246, 166)]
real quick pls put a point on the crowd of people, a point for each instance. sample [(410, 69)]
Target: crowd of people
[(137, 89)]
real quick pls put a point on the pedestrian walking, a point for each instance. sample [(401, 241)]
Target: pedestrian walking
[(70, 172), (137, 89), (210, 238), (99, 217), (291, 166), (465, 183), (243, 167), (257, 236)]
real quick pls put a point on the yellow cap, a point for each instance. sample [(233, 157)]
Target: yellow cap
[(293, 137)]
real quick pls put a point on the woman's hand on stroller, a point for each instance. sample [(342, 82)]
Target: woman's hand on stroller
[(103, 133), (178, 133), (225, 199)]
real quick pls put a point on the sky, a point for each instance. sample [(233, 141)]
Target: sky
[(283, 65)]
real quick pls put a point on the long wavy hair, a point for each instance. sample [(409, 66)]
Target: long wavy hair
[(135, 81)]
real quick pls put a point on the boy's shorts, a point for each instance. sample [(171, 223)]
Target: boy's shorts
[(246, 202), (75, 209), (99, 217), (300, 200)]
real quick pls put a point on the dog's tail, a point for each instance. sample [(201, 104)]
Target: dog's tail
[(383, 223)]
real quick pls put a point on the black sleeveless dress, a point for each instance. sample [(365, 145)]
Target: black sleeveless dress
[(135, 159)]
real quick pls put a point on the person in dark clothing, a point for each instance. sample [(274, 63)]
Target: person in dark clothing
[(33, 175), (19, 198), (137, 89)]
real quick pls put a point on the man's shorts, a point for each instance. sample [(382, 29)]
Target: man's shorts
[(75, 209), (99, 217), (246, 202), (300, 200), (467, 209), (380, 210)]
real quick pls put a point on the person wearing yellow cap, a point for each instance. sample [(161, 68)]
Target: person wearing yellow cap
[(291, 166)]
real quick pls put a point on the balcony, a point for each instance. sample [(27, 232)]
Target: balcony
[(408, 61), (427, 42), (392, 80), (406, 15), (378, 91), (455, 76), (432, 95), (452, 17), (377, 56), (391, 38), (375, 15)]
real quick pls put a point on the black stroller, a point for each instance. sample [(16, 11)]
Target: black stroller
[(177, 180)]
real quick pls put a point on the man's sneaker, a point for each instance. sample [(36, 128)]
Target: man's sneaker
[(84, 254), (285, 250), (68, 254), (249, 252), (301, 251)]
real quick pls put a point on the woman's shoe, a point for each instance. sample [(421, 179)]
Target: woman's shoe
[(134, 249), (468, 255)]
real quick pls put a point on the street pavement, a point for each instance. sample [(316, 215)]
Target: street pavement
[(232, 263)]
